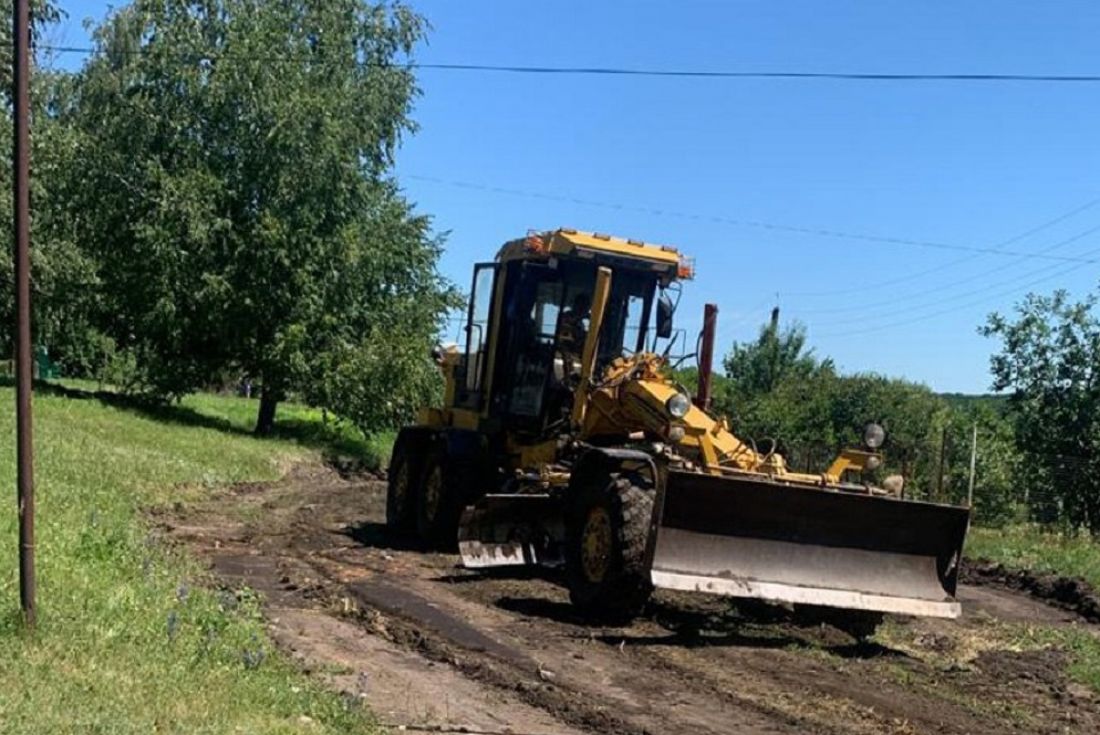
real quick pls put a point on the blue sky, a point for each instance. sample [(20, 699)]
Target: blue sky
[(959, 163)]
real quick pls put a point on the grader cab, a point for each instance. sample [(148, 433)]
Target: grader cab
[(563, 440)]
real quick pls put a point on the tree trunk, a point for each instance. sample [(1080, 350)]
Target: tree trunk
[(265, 421)]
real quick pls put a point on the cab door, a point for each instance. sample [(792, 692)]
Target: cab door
[(471, 376)]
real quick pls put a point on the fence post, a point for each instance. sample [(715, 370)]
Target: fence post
[(943, 457), (973, 465)]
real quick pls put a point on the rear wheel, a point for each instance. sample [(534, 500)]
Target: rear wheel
[(440, 501), (401, 489), (606, 532)]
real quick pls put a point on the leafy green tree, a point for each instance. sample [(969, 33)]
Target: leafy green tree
[(914, 418), (776, 355), (63, 277), (777, 390), (54, 263), (1050, 361), (43, 14), (997, 496), (234, 191)]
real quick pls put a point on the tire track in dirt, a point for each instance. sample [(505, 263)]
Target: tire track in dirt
[(484, 650)]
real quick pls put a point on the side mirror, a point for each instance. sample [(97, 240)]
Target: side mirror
[(664, 316)]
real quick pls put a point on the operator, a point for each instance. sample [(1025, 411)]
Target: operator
[(573, 329)]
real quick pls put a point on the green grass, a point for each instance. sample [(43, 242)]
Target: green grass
[(126, 642), (295, 422), (1083, 647), (1029, 547)]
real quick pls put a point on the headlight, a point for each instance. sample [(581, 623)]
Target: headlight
[(873, 436), (873, 462), (678, 406)]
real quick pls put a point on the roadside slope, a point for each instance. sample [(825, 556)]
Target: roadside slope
[(126, 641)]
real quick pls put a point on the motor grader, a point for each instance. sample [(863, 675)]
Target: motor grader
[(564, 440)]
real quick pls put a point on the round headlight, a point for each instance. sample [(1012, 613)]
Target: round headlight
[(873, 462), (678, 406), (873, 436)]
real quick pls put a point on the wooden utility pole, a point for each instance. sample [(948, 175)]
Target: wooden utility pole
[(21, 35)]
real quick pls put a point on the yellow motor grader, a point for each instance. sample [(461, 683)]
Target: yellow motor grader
[(563, 440)]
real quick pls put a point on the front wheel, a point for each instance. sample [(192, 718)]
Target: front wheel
[(606, 533)]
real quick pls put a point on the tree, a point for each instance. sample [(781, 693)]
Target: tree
[(1050, 361), (234, 191), (63, 278), (52, 263), (43, 14), (914, 419), (997, 496), (777, 391), (760, 366)]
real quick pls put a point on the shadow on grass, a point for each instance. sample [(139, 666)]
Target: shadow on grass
[(346, 454)]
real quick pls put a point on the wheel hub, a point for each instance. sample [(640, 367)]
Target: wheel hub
[(596, 545)]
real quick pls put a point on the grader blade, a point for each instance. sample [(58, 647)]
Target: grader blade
[(756, 538)]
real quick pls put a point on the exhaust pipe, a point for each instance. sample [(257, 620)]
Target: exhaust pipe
[(706, 356)]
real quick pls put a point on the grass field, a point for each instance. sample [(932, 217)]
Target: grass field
[(127, 642), (1029, 547)]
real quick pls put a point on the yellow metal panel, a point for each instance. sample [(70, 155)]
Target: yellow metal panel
[(538, 455), (566, 242), (849, 459), (569, 240), (434, 418), (588, 360), (464, 419)]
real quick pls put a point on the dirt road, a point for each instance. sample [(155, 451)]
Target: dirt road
[(428, 645)]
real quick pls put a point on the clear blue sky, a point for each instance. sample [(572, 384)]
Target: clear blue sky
[(964, 163)]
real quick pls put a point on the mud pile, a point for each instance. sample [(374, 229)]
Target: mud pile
[(1070, 593)]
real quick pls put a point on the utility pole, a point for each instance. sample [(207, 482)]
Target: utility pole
[(21, 35), (973, 465)]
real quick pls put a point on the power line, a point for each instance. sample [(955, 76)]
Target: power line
[(956, 297), (674, 73), (925, 317), (988, 287), (962, 281), (837, 76), (757, 224), (953, 263)]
